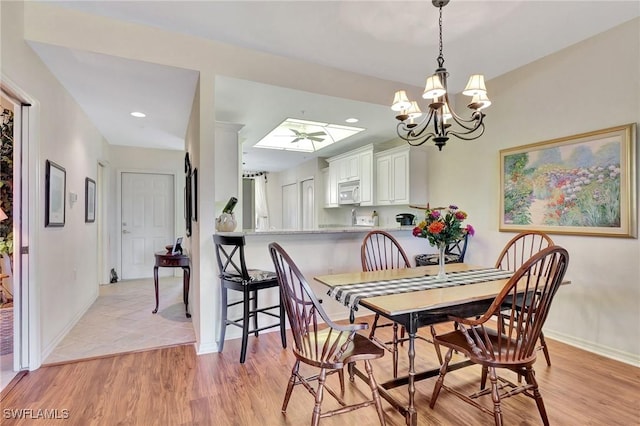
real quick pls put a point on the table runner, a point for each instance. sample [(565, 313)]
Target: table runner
[(350, 294)]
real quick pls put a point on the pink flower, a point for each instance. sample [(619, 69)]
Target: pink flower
[(470, 230), (435, 214)]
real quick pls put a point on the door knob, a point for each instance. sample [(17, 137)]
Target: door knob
[(124, 231)]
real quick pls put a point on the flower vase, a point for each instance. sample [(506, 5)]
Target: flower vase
[(441, 273)]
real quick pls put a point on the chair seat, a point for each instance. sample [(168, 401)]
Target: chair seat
[(254, 275), (360, 348), (433, 259), (457, 340)]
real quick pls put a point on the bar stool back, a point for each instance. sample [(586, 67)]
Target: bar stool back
[(234, 275)]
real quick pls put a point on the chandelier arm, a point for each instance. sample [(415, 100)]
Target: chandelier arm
[(471, 124), (468, 138), (419, 128), (411, 137)]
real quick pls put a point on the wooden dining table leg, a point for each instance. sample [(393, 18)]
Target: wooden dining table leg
[(412, 415)]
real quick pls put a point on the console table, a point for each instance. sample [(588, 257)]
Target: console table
[(168, 260)]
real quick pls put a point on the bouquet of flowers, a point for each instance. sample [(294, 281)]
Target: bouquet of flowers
[(443, 226)]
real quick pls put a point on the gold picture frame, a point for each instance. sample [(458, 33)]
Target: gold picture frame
[(579, 185)]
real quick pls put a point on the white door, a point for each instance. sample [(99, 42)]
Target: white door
[(289, 207), (308, 196), (147, 222)]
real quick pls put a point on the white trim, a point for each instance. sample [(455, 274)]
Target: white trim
[(207, 348), (26, 274), (605, 351)]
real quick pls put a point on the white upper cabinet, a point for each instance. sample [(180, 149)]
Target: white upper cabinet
[(365, 160), (350, 166), (401, 176), (330, 180)]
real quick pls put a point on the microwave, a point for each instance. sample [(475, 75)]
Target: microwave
[(349, 192)]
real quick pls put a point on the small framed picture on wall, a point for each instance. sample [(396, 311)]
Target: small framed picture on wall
[(89, 200), (55, 190)]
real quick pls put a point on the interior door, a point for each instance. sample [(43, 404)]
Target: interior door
[(147, 222), (308, 195), (289, 206)]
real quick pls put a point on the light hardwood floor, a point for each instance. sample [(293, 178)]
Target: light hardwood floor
[(174, 386)]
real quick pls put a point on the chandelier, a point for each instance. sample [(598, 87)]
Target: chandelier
[(440, 110)]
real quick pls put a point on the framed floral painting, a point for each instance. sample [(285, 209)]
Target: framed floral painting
[(583, 185)]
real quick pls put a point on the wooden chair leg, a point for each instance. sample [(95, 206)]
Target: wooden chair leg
[(290, 385), (545, 350), (495, 396), (317, 411), (374, 325), (223, 317), (437, 346), (374, 391), (440, 381), (483, 379), (245, 325), (283, 329), (530, 378), (341, 378), (255, 313)]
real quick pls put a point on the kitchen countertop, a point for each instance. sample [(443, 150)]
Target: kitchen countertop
[(327, 229)]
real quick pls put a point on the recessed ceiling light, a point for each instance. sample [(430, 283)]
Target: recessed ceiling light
[(138, 114), (351, 120)]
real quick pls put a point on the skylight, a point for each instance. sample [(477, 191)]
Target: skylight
[(305, 136)]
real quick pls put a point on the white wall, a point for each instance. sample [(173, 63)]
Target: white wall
[(554, 97), (65, 278)]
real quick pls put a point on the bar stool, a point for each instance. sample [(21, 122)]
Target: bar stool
[(234, 275)]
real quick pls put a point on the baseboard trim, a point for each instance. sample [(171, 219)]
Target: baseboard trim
[(206, 348), (605, 351)]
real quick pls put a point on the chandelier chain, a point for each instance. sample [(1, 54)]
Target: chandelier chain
[(440, 57)]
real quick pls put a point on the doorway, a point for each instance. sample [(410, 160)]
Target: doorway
[(14, 226), (290, 206), (147, 221)]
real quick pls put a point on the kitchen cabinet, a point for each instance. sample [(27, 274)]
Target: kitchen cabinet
[(347, 167), (330, 181), (401, 176), (365, 161)]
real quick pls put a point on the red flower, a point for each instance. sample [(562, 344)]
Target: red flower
[(436, 227), (417, 231), (460, 215)]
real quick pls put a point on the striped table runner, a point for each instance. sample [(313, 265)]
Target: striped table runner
[(350, 295)]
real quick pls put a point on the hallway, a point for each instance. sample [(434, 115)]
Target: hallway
[(120, 321)]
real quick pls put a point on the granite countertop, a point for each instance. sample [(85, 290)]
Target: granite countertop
[(327, 229)]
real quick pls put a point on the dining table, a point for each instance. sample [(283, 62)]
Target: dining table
[(415, 298)]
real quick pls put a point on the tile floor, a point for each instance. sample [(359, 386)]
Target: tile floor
[(120, 320)]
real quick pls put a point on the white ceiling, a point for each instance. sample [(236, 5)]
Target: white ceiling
[(394, 40)]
